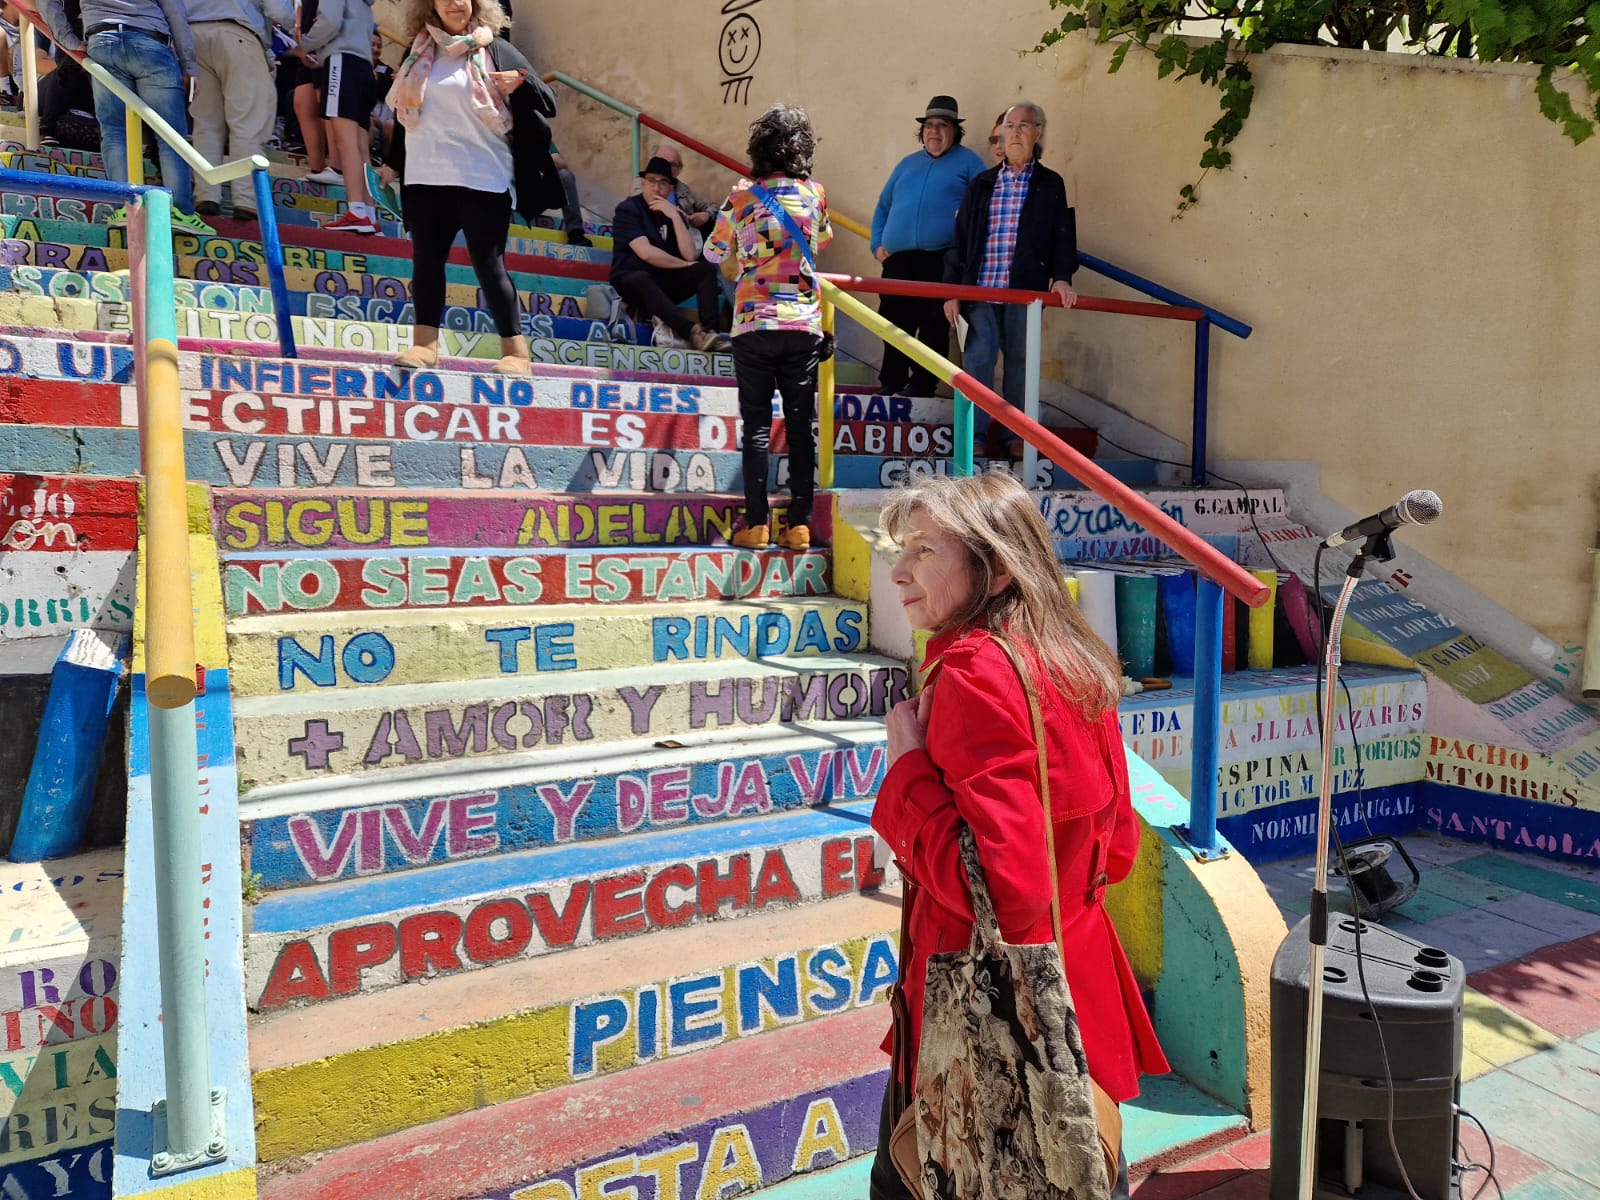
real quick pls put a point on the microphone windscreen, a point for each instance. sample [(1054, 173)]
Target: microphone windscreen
[(1420, 507)]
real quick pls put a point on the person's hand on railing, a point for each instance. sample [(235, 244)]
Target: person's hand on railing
[(1064, 289)]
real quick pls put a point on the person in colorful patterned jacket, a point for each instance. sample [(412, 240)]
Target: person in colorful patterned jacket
[(776, 225)]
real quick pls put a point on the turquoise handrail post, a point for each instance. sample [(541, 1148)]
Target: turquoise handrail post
[(961, 432), (1200, 417), (174, 787), (638, 157), (272, 247), (1206, 723)]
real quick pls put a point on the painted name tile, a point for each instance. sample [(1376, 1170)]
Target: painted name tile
[(1547, 830), (277, 745), (386, 582), (1281, 722), (468, 935), (1285, 830), (1283, 778), (1540, 713), (1076, 516), (83, 1174), (263, 521), (287, 851), (1506, 771)]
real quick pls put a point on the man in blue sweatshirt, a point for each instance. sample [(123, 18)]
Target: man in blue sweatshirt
[(912, 227)]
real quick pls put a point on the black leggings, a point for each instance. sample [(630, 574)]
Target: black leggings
[(435, 215)]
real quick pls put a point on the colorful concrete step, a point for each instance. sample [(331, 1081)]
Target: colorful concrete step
[(376, 729), (318, 831), (254, 520), (59, 992), (381, 581), (311, 945), (272, 655), (323, 294), (797, 1099), (364, 267), (367, 1065)]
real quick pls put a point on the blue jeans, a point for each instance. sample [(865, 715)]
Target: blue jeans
[(149, 68), (993, 330)]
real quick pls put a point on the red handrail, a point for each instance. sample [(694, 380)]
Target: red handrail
[(960, 291)]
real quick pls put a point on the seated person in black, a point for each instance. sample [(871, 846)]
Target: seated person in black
[(653, 263)]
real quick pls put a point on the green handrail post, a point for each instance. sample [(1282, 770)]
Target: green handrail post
[(187, 1125), (961, 431)]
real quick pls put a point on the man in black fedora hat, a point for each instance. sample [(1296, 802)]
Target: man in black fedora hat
[(912, 227), (653, 261)]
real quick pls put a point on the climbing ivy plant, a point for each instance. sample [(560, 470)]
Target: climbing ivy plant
[(1561, 36)]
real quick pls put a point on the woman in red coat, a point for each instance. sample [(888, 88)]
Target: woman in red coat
[(976, 559)]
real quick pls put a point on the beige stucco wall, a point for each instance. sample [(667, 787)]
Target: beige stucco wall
[(1417, 248)]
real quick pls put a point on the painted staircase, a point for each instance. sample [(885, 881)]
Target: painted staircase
[(553, 808)]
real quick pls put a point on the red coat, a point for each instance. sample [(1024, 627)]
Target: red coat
[(981, 767)]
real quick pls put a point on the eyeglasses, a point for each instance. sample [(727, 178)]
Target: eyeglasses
[(1013, 126)]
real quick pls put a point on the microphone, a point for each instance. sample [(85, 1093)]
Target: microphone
[(1420, 507)]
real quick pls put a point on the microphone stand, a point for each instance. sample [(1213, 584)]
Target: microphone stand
[(1379, 547)]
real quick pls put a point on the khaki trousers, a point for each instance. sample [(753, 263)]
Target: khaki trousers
[(235, 104)]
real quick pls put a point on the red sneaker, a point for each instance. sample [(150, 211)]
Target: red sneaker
[(352, 222)]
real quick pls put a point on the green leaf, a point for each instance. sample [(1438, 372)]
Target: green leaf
[(1117, 55), (1557, 105)]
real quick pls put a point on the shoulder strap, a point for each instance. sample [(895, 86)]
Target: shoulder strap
[(1044, 780), (774, 206)]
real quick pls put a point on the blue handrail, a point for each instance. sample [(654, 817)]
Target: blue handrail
[(1140, 284)]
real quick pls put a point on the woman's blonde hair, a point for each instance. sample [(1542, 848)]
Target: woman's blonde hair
[(999, 525), (484, 12)]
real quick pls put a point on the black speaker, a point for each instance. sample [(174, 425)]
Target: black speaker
[(1416, 992)]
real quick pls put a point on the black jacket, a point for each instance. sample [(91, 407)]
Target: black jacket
[(532, 106), (1047, 233)]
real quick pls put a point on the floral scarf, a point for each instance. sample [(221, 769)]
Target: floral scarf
[(405, 97)]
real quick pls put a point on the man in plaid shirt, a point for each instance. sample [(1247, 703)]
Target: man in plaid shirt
[(1014, 230)]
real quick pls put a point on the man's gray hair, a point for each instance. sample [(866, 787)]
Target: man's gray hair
[(1038, 116)]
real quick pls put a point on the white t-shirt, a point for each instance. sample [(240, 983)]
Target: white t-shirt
[(450, 146)]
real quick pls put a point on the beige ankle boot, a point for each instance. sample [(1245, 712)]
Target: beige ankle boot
[(424, 350), (515, 359)]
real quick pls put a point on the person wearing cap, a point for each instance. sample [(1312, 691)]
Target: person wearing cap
[(654, 266), (1014, 230), (913, 226)]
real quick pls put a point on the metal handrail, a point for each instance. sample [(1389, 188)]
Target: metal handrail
[(255, 165), (1177, 306), (637, 118), (1218, 573)]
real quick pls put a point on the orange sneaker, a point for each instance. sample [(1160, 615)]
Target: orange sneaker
[(796, 537), (753, 537)]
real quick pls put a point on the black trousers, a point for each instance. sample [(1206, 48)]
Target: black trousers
[(785, 360), (885, 1183), (435, 215), (659, 291), (922, 318)]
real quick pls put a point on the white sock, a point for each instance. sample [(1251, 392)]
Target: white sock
[(364, 210)]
